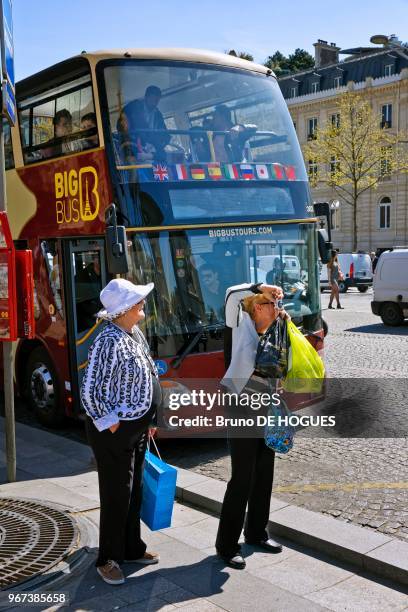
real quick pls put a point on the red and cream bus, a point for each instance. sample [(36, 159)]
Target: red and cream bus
[(199, 154)]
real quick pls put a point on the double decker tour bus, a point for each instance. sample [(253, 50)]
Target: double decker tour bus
[(199, 154)]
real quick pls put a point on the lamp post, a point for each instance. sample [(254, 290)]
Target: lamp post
[(8, 111)]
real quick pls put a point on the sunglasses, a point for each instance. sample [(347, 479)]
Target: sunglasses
[(278, 304)]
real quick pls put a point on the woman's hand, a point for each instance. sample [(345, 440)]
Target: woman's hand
[(114, 427), (285, 315), (152, 431), (272, 291)]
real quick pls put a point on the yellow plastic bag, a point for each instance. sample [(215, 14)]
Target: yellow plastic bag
[(306, 369)]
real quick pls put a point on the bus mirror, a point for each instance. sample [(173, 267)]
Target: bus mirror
[(324, 245), (322, 210), (116, 244)]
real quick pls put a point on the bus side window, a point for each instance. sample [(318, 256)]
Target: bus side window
[(49, 250), (88, 285), (8, 147), (62, 121)]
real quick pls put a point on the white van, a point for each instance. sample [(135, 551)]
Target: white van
[(357, 270), (391, 287)]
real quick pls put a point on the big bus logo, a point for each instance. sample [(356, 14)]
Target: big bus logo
[(76, 195)]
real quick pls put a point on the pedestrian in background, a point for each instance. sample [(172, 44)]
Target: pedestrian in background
[(120, 392), (249, 312), (376, 258), (334, 274)]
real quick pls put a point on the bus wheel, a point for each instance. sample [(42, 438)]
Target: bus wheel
[(391, 314), (362, 288), (42, 389), (342, 287), (325, 328)]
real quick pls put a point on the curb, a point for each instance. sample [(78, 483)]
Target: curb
[(371, 551)]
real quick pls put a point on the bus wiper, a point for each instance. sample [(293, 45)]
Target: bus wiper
[(176, 363)]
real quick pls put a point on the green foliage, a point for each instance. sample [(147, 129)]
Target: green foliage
[(241, 54), (279, 63), (295, 62)]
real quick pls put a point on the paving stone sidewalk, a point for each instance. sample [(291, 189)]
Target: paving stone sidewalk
[(190, 576)]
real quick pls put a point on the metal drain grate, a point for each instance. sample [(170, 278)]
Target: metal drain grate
[(33, 537)]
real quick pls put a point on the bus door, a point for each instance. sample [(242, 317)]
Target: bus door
[(85, 275)]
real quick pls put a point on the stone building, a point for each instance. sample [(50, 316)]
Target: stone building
[(381, 74)]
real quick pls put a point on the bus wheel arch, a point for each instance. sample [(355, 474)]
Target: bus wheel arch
[(42, 388)]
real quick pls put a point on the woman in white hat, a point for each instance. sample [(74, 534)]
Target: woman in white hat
[(120, 392)]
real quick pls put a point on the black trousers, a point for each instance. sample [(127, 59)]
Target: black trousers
[(120, 462), (252, 464)]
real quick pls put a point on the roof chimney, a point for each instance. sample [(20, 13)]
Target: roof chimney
[(325, 53)]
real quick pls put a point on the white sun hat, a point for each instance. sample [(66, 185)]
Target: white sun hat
[(120, 295)]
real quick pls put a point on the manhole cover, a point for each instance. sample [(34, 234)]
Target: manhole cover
[(33, 537)]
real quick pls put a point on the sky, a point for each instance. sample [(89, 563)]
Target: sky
[(47, 31)]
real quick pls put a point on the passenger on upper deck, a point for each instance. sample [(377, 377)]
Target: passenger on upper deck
[(88, 122), (221, 122), (146, 127), (230, 146), (62, 122), (200, 146)]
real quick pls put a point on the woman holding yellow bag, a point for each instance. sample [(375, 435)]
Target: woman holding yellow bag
[(250, 311)]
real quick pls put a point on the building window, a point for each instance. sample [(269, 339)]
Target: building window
[(334, 165), (389, 70), (293, 92), (294, 125), (335, 120), (312, 170), (386, 116), (315, 87), (337, 82), (384, 213), (311, 128), (335, 218)]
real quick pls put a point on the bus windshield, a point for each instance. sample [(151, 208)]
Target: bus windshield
[(198, 142), (192, 269)]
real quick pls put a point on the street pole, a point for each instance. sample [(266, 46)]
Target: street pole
[(7, 346)]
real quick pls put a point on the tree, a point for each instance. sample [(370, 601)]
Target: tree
[(300, 60), (241, 54), (276, 62), (297, 61), (354, 153)]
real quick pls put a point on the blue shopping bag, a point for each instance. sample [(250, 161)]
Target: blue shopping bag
[(159, 490)]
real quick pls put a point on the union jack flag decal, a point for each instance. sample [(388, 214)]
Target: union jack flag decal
[(160, 172)]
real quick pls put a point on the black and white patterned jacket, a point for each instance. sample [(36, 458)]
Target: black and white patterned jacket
[(117, 383)]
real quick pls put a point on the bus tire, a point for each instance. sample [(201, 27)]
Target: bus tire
[(325, 327), (342, 287), (391, 314), (362, 288), (42, 389)]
